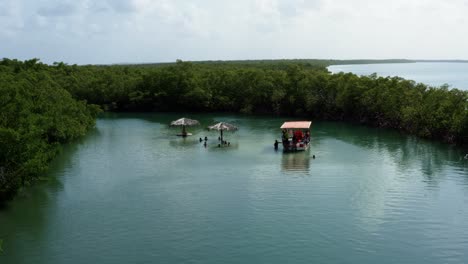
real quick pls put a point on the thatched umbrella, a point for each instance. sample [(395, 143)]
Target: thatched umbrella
[(221, 126), (184, 122)]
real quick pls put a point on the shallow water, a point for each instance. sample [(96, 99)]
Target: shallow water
[(132, 192), (431, 73)]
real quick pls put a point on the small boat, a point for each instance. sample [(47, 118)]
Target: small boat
[(296, 135)]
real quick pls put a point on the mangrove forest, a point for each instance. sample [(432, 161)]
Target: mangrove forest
[(44, 106)]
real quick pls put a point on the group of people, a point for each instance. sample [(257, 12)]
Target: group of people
[(223, 142), (297, 136), (204, 143)]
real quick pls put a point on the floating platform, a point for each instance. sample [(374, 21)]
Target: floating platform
[(296, 135), (184, 135)]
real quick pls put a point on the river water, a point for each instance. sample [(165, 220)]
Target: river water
[(431, 73), (132, 192)]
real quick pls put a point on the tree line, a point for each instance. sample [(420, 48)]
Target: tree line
[(36, 116), (43, 106), (292, 88)]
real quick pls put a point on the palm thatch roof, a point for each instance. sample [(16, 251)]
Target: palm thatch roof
[(296, 124), (222, 126), (185, 122)]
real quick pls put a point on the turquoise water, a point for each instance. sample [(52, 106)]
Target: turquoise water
[(132, 192), (431, 73)]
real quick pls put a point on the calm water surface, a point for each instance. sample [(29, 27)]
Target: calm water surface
[(431, 73), (132, 192)]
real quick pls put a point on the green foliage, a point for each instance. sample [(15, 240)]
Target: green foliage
[(44, 106), (285, 87), (282, 87), (36, 116)]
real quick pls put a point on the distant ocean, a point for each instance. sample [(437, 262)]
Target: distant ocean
[(431, 73)]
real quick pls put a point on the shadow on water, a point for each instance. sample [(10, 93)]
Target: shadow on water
[(28, 213), (206, 119), (189, 143), (166, 118), (181, 142), (216, 147), (33, 218), (51, 183), (404, 150), (295, 162)]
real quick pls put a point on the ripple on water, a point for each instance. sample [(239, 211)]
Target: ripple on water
[(133, 192)]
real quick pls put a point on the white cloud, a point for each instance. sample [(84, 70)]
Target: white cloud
[(111, 31), (60, 9), (7, 8)]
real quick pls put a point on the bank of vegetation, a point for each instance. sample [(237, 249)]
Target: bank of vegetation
[(44, 106), (37, 115)]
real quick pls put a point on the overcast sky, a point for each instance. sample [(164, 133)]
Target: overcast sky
[(116, 31)]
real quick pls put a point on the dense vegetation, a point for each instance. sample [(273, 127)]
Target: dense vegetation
[(292, 88), (275, 64), (36, 116), (43, 106)]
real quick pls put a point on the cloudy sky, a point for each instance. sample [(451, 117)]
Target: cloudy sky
[(116, 31)]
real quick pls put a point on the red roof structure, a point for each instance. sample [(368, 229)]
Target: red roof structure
[(297, 125)]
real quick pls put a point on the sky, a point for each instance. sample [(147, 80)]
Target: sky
[(141, 31)]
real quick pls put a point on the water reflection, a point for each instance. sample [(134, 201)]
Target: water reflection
[(298, 162), (28, 217), (408, 153), (218, 147), (365, 194), (184, 142)]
